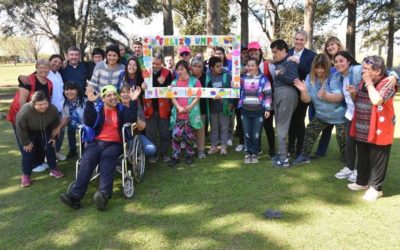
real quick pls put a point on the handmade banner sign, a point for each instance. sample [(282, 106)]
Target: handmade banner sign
[(150, 42)]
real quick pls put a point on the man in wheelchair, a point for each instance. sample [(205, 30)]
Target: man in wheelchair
[(103, 125)]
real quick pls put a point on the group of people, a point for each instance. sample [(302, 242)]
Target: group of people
[(336, 90)]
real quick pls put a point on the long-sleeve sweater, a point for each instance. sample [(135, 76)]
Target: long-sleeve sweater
[(103, 75), (30, 120), (285, 73)]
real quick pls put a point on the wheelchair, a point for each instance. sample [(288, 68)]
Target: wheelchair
[(131, 164)]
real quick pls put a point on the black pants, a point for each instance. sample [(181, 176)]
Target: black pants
[(372, 162), (297, 128), (239, 127)]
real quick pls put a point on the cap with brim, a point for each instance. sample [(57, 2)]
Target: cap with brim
[(108, 88), (184, 49), (253, 45)]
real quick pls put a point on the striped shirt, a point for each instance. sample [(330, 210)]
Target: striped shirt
[(103, 75)]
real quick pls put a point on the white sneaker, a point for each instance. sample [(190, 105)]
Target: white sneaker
[(372, 194), (356, 187), (229, 142), (344, 173), (60, 156), (247, 159), (353, 176), (239, 148), (40, 168)]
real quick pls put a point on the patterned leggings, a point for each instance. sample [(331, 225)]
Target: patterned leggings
[(183, 132), (313, 130)]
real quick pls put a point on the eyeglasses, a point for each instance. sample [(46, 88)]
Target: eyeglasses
[(369, 60)]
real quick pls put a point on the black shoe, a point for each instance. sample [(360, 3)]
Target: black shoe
[(71, 154), (70, 200), (189, 160), (172, 163), (101, 199)]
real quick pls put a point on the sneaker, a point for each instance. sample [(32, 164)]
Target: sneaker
[(372, 194), (301, 159), (247, 159), (56, 173), (70, 201), (153, 159), (278, 163), (173, 162), (353, 176), (60, 156), (166, 158), (356, 187), (229, 142), (239, 148), (213, 150), (254, 159), (40, 168), (317, 156), (259, 153), (101, 200), (71, 154), (201, 155), (26, 181), (189, 160), (224, 151), (344, 173)]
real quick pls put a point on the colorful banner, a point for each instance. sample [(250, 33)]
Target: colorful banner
[(174, 92), (149, 42)]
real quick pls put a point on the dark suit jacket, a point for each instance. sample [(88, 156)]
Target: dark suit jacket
[(305, 62)]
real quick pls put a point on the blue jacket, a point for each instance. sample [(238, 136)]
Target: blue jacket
[(305, 62), (93, 118)]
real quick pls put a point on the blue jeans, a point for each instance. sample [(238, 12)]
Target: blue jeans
[(325, 136), (252, 122), (39, 159), (104, 154), (41, 147)]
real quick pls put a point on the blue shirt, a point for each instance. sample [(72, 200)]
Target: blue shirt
[(79, 75), (329, 112)]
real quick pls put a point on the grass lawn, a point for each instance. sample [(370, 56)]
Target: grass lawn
[(215, 204)]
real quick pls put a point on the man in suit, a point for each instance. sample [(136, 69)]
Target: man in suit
[(303, 57)]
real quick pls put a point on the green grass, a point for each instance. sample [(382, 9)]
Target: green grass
[(217, 203), (9, 73)]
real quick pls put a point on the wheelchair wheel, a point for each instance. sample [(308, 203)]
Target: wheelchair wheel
[(139, 159), (129, 188), (71, 186)]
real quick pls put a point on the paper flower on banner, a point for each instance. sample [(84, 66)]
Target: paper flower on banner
[(189, 92), (169, 94), (198, 93), (222, 92), (146, 73)]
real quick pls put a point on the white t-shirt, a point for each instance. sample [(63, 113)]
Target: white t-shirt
[(349, 102), (57, 98)]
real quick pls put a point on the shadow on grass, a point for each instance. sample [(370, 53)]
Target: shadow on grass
[(216, 203)]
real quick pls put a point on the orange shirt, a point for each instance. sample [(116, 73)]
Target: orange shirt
[(110, 130)]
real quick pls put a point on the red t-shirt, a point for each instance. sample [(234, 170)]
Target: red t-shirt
[(110, 131), (183, 102)]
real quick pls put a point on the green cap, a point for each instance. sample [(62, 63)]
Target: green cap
[(109, 88)]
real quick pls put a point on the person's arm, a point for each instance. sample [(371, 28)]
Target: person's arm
[(373, 94), (90, 113), (301, 86), (176, 104), (329, 96), (23, 96), (94, 81), (21, 127)]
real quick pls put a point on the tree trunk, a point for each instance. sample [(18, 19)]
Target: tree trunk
[(213, 17), (244, 21), (309, 14), (66, 22), (351, 27), (82, 42), (391, 31), (168, 24)]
